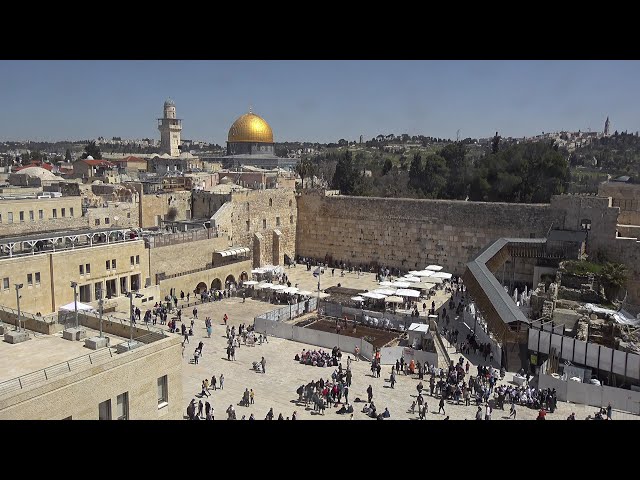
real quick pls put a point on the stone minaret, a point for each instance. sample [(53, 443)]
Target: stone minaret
[(606, 128), (170, 128)]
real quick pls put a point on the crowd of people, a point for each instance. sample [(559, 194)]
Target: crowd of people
[(319, 358)]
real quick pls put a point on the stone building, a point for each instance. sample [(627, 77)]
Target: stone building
[(626, 196), (170, 128)]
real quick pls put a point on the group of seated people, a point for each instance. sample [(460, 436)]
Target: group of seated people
[(316, 358), (527, 396), (370, 410)]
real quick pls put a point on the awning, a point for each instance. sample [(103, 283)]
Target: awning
[(278, 287), (260, 286), (401, 284), (419, 327), (234, 251), (290, 290), (423, 273), (81, 306), (386, 284), (435, 268), (357, 299), (444, 275), (375, 296), (410, 278), (305, 292), (250, 282), (403, 292)]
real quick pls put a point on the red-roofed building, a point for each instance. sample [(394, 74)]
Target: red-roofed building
[(46, 166), (130, 164), (88, 168)]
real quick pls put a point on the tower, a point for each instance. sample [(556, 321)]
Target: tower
[(606, 127), (170, 128)]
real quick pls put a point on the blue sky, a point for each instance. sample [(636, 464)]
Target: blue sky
[(316, 100)]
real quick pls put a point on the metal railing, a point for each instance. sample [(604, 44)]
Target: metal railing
[(54, 371), (179, 237), (47, 319), (67, 317)]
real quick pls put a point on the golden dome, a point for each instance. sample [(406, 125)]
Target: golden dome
[(250, 128)]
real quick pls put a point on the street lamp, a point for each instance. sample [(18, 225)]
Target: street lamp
[(18, 287), (100, 303), (131, 295), (74, 285)]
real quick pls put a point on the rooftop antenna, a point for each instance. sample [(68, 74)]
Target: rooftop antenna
[(250, 109)]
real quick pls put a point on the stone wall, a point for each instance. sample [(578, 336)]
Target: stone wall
[(411, 234), (115, 214), (183, 257), (48, 222), (157, 205), (627, 197)]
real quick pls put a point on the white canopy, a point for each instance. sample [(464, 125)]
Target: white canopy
[(435, 268), (413, 272), (233, 251), (260, 286), (386, 284), (257, 270), (404, 292), (249, 282), (357, 299), (422, 285), (71, 307), (305, 292), (401, 284), (290, 290), (444, 275), (376, 296), (410, 278), (385, 291), (423, 273), (278, 287), (419, 327)]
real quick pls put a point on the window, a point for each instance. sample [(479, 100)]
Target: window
[(277, 221), (113, 263), (104, 410), (108, 264), (122, 406), (87, 268), (264, 223), (31, 216), (30, 279), (81, 269), (5, 283), (41, 214), (97, 221), (21, 217), (248, 225), (63, 212), (290, 218), (106, 221), (132, 260), (270, 202), (128, 215), (55, 213), (37, 278), (163, 393), (71, 211), (137, 259), (10, 217)]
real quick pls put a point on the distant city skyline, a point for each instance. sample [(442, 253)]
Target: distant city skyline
[(316, 101)]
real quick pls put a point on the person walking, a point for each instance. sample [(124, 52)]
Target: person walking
[(251, 395), (441, 406), (200, 405), (222, 381), (609, 412), (195, 312), (369, 393), (213, 383), (393, 379), (512, 411), (264, 365)]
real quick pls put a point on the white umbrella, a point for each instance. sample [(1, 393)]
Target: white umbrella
[(290, 290), (71, 307), (401, 284), (444, 275), (260, 286), (385, 291), (386, 284), (305, 292), (357, 299), (373, 295), (394, 299), (408, 293), (423, 273), (410, 278), (278, 287), (413, 272), (250, 282), (435, 268)]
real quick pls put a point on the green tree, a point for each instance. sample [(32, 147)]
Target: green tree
[(386, 168), (416, 172), (495, 143), (458, 178), (92, 149), (613, 277), (346, 175), (434, 176), (305, 168)]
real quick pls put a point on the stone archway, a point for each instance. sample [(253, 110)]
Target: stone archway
[(229, 280), (216, 284), (201, 287)]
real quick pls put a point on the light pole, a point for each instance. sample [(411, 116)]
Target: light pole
[(100, 311), (74, 285), (18, 287)]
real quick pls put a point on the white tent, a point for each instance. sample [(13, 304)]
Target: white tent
[(260, 286), (305, 292), (444, 275), (410, 278), (249, 282), (278, 287), (385, 291), (357, 299), (435, 268), (401, 284), (70, 307), (403, 292), (375, 296), (386, 284), (290, 290)]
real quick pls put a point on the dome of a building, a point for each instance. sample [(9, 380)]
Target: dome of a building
[(169, 103), (39, 172), (250, 128), (89, 157)]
